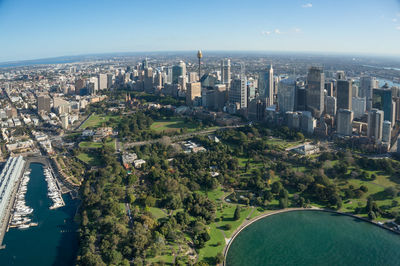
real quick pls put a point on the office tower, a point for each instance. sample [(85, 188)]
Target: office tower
[(64, 121), (397, 109), (354, 92), (307, 122), (315, 91), (329, 88), (251, 88), (193, 91), (226, 72), (178, 71), (110, 81), (199, 56), (330, 107), (193, 77), (238, 91), (382, 100), (95, 82), (169, 72), (158, 80), (367, 84), (102, 81), (359, 106), (340, 75), (286, 95), (266, 86), (145, 64), (344, 122), (344, 92), (386, 131), (375, 124), (44, 103), (293, 119), (148, 79), (301, 96), (79, 85)]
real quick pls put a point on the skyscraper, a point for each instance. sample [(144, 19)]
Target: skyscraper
[(178, 71), (44, 103), (199, 56), (375, 124), (382, 100), (193, 91), (102, 81), (315, 91), (266, 86), (226, 72), (286, 95), (344, 93), (344, 122), (238, 91), (367, 84)]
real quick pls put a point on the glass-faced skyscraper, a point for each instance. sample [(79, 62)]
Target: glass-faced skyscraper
[(226, 72), (266, 86), (315, 91)]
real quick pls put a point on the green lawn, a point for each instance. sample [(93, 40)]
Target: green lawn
[(110, 142), (157, 213), (96, 120), (172, 125), (89, 158)]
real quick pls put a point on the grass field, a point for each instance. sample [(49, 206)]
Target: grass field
[(95, 121), (89, 158), (97, 145), (172, 125)]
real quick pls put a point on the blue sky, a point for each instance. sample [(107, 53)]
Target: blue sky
[(32, 29)]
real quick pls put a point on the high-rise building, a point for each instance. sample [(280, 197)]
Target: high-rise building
[(340, 75), (329, 88), (193, 91), (110, 81), (386, 131), (367, 84), (178, 71), (79, 85), (315, 91), (102, 81), (286, 95), (95, 81), (375, 124), (238, 91), (344, 122), (266, 86), (344, 93), (359, 106), (330, 107), (301, 96), (226, 72), (64, 121), (44, 103), (382, 100)]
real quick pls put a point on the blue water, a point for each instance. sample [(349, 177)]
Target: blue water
[(314, 238), (54, 241)]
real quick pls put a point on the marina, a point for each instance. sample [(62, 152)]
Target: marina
[(54, 190), (22, 213)]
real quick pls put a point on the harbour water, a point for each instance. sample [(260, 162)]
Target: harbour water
[(54, 241), (313, 238)]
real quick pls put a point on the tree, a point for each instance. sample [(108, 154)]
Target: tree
[(236, 215), (219, 258)]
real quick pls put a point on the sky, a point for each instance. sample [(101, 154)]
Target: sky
[(32, 29)]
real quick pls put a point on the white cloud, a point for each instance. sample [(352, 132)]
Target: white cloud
[(297, 30), (398, 28), (266, 33), (277, 31), (308, 5), (394, 20)]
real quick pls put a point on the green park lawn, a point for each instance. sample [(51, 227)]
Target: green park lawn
[(110, 142), (96, 120), (89, 158), (172, 125)]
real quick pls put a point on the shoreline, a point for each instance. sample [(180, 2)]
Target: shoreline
[(264, 215)]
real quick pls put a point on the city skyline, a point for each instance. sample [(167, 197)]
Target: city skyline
[(45, 29)]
